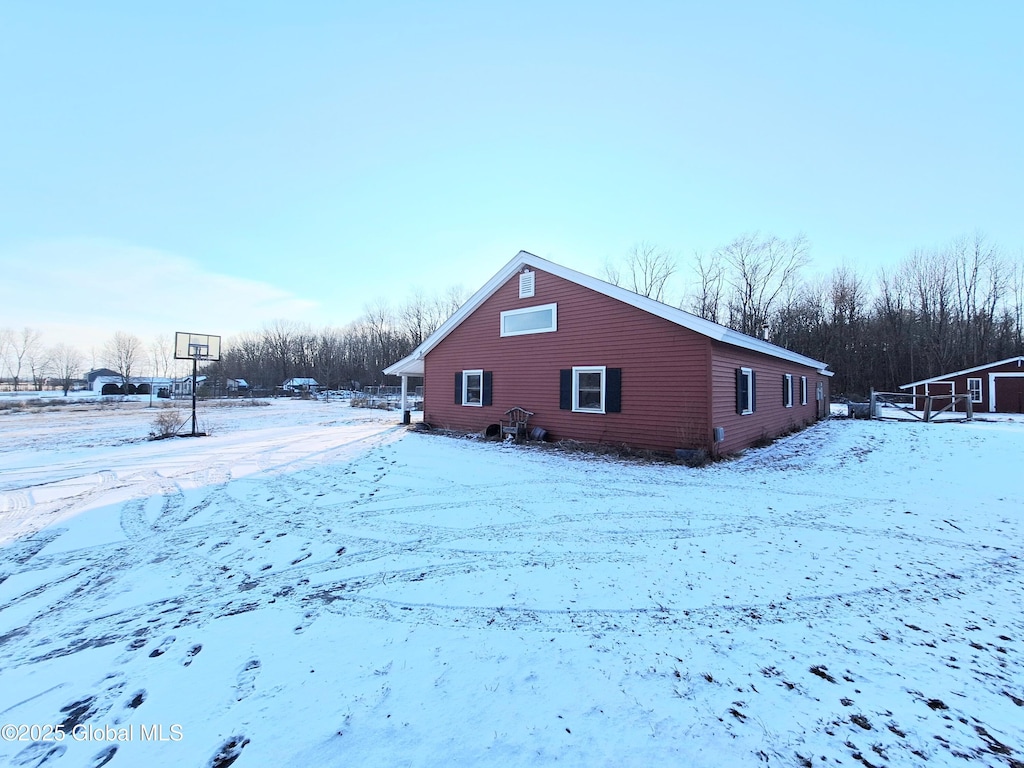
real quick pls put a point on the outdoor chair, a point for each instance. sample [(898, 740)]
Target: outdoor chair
[(516, 423)]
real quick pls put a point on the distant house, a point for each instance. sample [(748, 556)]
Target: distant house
[(598, 363), (96, 378), (183, 387), (994, 388), (236, 385), (301, 385), (108, 382)]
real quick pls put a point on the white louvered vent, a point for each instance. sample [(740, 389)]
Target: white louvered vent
[(527, 283)]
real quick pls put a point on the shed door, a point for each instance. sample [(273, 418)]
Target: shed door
[(1009, 394), (941, 391)]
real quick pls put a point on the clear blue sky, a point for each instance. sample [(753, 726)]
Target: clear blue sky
[(213, 166)]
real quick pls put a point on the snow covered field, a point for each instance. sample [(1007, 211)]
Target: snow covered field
[(313, 585)]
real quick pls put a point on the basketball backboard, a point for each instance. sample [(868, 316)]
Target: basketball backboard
[(196, 346)]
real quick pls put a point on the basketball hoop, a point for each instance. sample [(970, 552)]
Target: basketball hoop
[(196, 347)]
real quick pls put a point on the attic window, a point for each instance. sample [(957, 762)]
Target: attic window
[(542, 319), (527, 283)]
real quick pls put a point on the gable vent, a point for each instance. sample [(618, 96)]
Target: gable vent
[(527, 283)]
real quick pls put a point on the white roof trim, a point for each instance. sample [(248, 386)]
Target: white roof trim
[(942, 376), (413, 364), (407, 366)]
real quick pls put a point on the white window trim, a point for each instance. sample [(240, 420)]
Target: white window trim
[(748, 374), (576, 371), (465, 388), (789, 390), (523, 311), (803, 390), (973, 391)]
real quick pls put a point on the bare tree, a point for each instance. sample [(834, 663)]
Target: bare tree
[(980, 284), (6, 339), (279, 343), (930, 276), (122, 352), (67, 362), (39, 365), (894, 328), (707, 299), (646, 270), (22, 347), (612, 272), (449, 302), (416, 318), (161, 352), (760, 270), (1015, 306), (420, 316), (328, 358), (380, 323)]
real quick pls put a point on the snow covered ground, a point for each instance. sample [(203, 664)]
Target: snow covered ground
[(313, 585)]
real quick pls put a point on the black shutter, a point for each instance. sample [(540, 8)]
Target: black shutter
[(613, 393), (753, 391), (565, 389), (741, 395), (485, 394), (458, 387)]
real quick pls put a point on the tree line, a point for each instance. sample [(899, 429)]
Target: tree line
[(938, 310), (27, 363), (349, 357)]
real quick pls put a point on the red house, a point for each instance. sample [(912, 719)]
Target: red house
[(994, 388), (598, 363)]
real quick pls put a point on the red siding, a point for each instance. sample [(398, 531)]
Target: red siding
[(666, 372), (1008, 378), (771, 417)]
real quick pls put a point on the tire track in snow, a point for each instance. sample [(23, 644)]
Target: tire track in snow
[(30, 509)]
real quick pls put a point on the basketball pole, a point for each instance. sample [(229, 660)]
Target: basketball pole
[(196, 347), (195, 363)]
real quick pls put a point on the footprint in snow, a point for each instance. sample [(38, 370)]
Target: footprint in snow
[(38, 753), (229, 752), (94, 706), (135, 645), (161, 649), (195, 649), (247, 680), (104, 757)]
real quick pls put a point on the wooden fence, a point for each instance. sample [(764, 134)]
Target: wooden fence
[(932, 406)]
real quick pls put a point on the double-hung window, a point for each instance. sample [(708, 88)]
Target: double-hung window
[(974, 389), (803, 390), (588, 389), (473, 388), (787, 390), (591, 389), (746, 391)]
